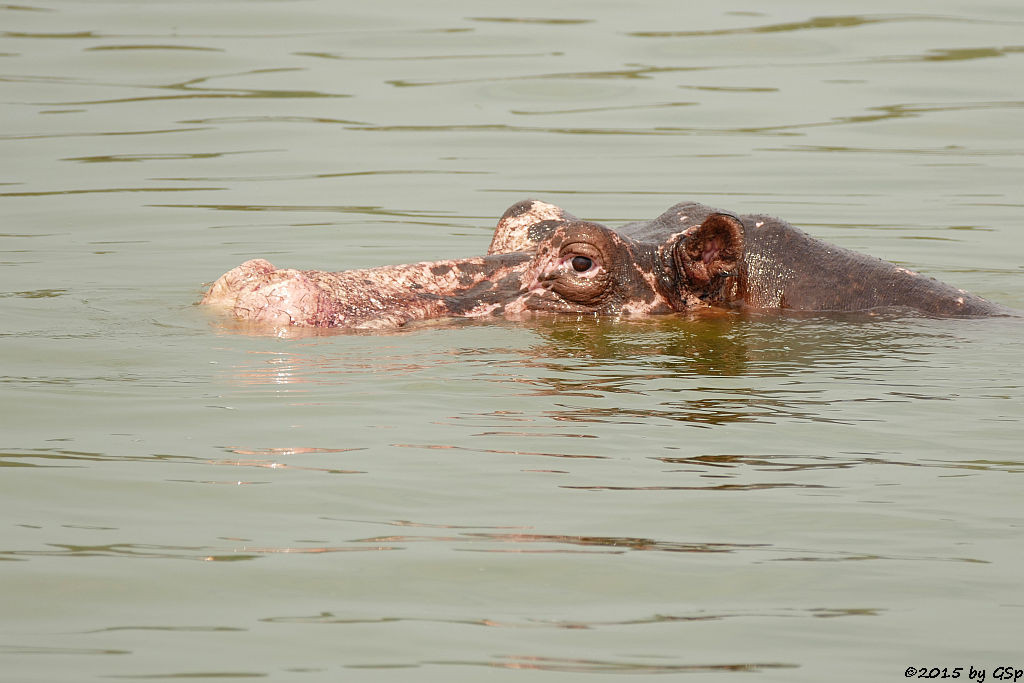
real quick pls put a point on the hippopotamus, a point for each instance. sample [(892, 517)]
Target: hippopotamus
[(543, 259)]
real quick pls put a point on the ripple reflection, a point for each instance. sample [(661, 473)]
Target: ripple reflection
[(613, 544), (335, 618), (171, 552), (568, 665)]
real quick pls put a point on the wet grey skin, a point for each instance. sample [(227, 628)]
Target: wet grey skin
[(543, 259)]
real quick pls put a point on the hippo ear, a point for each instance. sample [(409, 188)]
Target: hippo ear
[(711, 249), (525, 224)]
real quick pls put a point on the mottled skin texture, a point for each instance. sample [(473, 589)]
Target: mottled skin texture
[(542, 258), (373, 298)]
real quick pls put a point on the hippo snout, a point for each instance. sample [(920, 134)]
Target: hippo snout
[(372, 298)]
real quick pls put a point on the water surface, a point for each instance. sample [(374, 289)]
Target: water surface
[(789, 498)]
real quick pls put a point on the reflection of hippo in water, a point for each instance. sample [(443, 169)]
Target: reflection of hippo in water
[(544, 259)]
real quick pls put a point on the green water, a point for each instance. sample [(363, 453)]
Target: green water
[(747, 497)]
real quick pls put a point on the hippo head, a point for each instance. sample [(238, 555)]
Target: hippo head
[(587, 268), (541, 259)]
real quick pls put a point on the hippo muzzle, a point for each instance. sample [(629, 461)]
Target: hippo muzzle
[(372, 298)]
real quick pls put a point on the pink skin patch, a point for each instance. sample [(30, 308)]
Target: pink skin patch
[(372, 298), (512, 233)]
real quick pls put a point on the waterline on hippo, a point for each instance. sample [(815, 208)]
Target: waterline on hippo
[(543, 259)]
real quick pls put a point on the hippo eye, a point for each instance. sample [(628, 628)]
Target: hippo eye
[(581, 264)]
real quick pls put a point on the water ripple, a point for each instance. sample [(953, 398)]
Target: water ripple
[(191, 90), (569, 665), (588, 624), (823, 22), (171, 552), (57, 650)]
